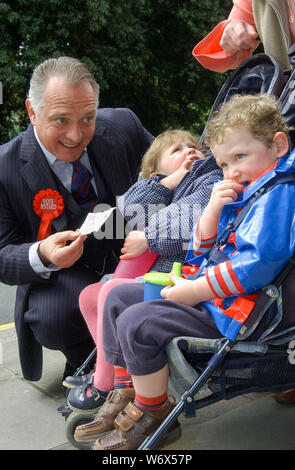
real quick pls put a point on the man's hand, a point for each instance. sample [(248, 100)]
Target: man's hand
[(135, 244), (239, 35), (54, 249)]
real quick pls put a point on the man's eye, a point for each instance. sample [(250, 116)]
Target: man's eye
[(60, 120), (240, 156), (87, 120)]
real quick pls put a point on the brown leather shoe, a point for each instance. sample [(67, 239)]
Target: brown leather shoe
[(285, 397), (133, 426), (104, 420)]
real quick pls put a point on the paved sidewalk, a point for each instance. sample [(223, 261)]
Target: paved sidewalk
[(30, 421)]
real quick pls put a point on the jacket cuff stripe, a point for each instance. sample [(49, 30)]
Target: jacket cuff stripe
[(223, 280)]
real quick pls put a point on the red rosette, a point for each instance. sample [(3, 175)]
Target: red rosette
[(48, 205)]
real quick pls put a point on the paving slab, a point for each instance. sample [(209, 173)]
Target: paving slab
[(260, 424), (30, 421), (7, 296), (28, 410)]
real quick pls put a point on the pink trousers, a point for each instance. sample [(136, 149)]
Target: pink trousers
[(91, 303), (92, 300)]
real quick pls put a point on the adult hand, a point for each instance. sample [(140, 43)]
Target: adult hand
[(54, 249), (239, 35), (135, 245)]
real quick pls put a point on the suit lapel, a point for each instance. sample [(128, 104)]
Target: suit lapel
[(104, 152), (38, 175)]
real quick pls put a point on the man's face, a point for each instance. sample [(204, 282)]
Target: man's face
[(66, 121)]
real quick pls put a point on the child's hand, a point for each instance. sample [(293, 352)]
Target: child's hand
[(173, 180), (135, 244), (223, 192), (181, 292), (191, 158)]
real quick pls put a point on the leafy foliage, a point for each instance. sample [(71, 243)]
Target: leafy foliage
[(140, 52)]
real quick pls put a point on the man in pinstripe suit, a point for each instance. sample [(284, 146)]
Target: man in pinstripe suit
[(51, 272)]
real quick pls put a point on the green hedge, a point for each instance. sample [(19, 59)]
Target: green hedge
[(140, 52)]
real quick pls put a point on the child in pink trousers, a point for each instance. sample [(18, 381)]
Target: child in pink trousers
[(169, 160)]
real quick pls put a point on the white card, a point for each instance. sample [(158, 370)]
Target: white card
[(94, 221)]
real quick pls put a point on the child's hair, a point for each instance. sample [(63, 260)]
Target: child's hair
[(150, 159), (260, 114)]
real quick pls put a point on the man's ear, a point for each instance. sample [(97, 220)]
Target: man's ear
[(31, 112), (281, 143)]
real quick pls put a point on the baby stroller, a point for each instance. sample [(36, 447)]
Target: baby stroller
[(205, 371), (217, 364)]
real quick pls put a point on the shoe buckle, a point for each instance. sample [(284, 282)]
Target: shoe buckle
[(111, 395), (94, 393)]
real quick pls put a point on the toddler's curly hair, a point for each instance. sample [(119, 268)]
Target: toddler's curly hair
[(260, 114)]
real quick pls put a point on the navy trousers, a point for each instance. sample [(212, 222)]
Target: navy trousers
[(135, 333)]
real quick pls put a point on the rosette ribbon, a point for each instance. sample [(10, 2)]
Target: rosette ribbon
[(48, 205)]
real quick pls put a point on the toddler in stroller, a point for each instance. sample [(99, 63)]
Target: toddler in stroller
[(249, 140)]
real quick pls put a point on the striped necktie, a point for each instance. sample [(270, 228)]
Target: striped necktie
[(81, 187)]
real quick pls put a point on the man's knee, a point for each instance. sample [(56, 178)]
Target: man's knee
[(58, 325)]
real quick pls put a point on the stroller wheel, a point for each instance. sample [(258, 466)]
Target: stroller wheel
[(75, 419)]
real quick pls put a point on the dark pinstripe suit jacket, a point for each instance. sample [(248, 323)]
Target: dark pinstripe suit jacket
[(115, 154)]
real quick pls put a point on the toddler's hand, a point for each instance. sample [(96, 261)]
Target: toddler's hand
[(135, 244), (190, 158), (181, 292), (223, 192)]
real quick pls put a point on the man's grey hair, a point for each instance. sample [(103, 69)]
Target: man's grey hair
[(72, 70)]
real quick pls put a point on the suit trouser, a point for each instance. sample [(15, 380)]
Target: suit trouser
[(54, 316), (135, 333)]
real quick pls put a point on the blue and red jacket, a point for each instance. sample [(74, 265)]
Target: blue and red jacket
[(256, 252)]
